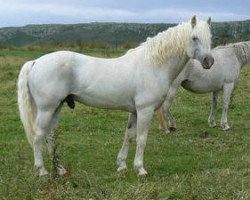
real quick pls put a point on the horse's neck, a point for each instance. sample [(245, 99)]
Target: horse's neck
[(180, 65)]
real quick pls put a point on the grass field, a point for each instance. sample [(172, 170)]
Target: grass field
[(181, 165)]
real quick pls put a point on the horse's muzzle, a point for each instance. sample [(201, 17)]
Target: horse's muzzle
[(207, 62)]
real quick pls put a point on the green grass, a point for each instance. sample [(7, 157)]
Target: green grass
[(182, 165)]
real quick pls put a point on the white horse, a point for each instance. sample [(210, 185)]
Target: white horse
[(136, 82), (223, 75)]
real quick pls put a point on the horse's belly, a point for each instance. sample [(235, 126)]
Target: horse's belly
[(106, 102), (201, 87)]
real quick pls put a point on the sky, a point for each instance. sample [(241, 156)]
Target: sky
[(23, 12)]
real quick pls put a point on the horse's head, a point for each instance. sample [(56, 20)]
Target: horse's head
[(200, 42)]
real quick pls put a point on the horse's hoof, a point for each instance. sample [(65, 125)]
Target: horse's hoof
[(225, 127), (139, 169), (122, 168), (61, 171), (142, 172), (167, 131), (212, 125), (172, 128), (43, 172)]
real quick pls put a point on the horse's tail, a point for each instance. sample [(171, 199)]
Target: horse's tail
[(26, 103)]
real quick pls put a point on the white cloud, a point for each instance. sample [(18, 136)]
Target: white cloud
[(26, 11), (77, 12), (178, 15)]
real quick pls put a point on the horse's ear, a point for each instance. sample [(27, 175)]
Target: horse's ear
[(209, 21), (193, 21)]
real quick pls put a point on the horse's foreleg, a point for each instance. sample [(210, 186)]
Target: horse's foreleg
[(129, 134), (165, 107), (51, 143), (144, 117), (170, 97), (211, 118), (42, 127), (227, 91)]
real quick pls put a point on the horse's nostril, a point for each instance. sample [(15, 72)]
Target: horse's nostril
[(205, 60), (212, 61)]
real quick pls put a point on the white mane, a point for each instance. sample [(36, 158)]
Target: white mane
[(174, 41), (241, 49)]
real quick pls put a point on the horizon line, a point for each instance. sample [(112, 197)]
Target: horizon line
[(109, 22)]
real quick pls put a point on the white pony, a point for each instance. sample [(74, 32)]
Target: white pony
[(136, 82), (223, 75)]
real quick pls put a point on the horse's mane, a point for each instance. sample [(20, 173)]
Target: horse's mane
[(172, 42), (241, 49)]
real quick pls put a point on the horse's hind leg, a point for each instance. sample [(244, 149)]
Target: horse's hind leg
[(129, 134), (42, 127), (51, 139)]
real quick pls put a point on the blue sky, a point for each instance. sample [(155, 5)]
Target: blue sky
[(23, 12)]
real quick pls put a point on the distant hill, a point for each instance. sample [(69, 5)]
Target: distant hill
[(114, 34)]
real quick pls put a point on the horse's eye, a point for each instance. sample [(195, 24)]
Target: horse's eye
[(194, 38)]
